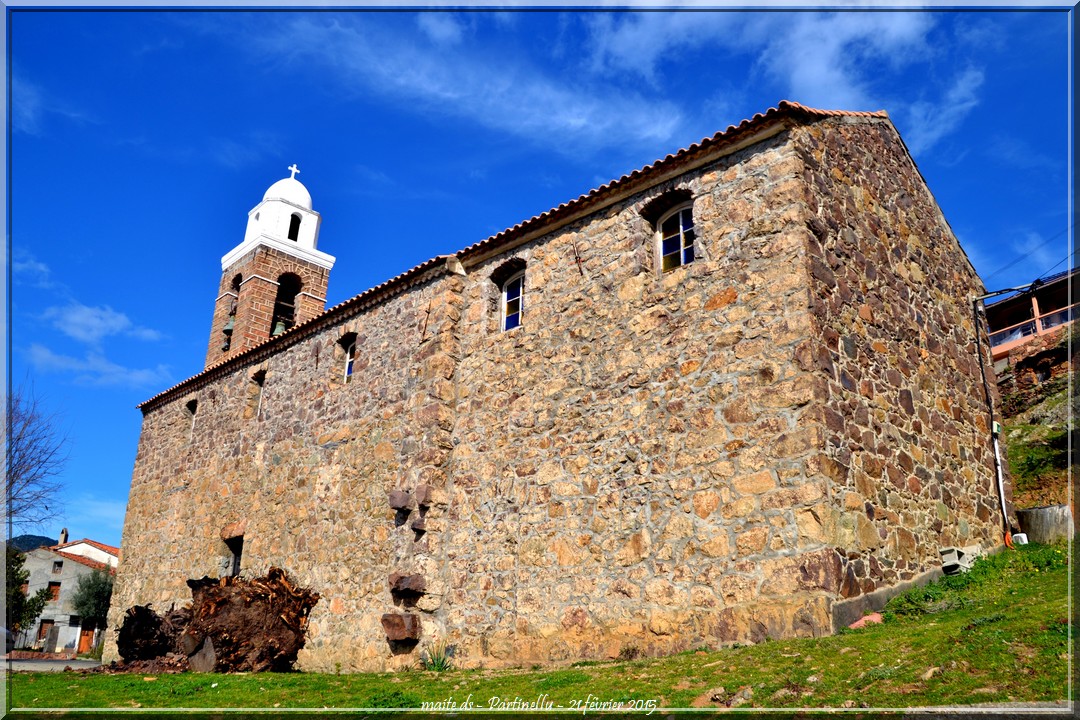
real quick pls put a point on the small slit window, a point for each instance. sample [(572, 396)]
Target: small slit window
[(348, 363), (235, 546), (255, 393), (294, 226), (676, 237), (513, 296), (192, 410)]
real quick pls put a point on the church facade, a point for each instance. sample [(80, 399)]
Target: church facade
[(733, 395)]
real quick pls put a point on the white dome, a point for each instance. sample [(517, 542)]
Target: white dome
[(290, 190)]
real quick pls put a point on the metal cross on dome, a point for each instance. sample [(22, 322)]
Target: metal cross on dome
[(294, 170)]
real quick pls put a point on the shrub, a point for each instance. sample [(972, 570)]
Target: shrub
[(439, 657)]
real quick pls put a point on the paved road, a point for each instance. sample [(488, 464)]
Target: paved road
[(49, 665)]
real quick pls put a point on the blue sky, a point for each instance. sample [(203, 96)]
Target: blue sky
[(140, 140)]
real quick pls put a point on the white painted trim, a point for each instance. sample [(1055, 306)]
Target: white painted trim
[(258, 277), (521, 301), (226, 294), (275, 282), (289, 247), (658, 235)]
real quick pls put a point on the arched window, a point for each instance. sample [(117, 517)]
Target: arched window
[(230, 322), (675, 237), (348, 347), (285, 304), (513, 293), (510, 279), (294, 226)]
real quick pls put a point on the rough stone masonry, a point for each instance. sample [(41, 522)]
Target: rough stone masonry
[(756, 444)]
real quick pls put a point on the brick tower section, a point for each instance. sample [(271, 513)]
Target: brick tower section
[(247, 295)]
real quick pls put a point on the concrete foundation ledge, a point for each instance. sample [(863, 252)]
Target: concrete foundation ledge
[(848, 611)]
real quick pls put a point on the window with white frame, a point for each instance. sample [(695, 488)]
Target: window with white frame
[(675, 235), (513, 294), (348, 356)]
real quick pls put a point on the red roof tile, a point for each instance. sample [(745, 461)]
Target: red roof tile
[(93, 543), (83, 560)]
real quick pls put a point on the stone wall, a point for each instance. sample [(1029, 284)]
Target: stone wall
[(630, 463), (659, 461), (302, 468), (1036, 369), (907, 439)]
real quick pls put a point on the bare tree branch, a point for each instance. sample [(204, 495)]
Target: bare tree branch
[(35, 454)]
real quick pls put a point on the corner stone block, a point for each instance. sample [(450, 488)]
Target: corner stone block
[(400, 500), (401, 626)]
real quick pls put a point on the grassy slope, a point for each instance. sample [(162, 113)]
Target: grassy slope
[(996, 634), (1036, 443)]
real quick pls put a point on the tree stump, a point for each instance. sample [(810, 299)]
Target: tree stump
[(1046, 524)]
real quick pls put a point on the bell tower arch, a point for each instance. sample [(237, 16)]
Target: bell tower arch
[(274, 279)]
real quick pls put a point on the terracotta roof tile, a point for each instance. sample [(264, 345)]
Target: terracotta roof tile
[(95, 564), (93, 543)]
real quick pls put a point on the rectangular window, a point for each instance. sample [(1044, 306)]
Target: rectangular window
[(57, 567), (54, 591), (44, 628), (512, 297)]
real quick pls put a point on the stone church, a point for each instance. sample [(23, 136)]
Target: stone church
[(733, 395)]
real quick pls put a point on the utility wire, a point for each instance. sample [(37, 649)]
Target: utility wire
[(1027, 253)]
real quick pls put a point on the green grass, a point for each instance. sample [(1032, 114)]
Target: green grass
[(999, 633), (1034, 451)]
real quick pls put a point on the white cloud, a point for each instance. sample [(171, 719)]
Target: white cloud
[(928, 122), (27, 106), (25, 268), (827, 60), (95, 518), (95, 369), (246, 151), (31, 104), (443, 28), (92, 324), (1018, 152), (498, 91)]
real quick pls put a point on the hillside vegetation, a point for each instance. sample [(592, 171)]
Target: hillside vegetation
[(1037, 447)]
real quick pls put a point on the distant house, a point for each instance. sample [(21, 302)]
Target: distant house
[(1018, 319), (58, 568)]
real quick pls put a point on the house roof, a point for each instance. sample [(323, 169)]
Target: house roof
[(1043, 282), (93, 543), (733, 135), (95, 564)]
